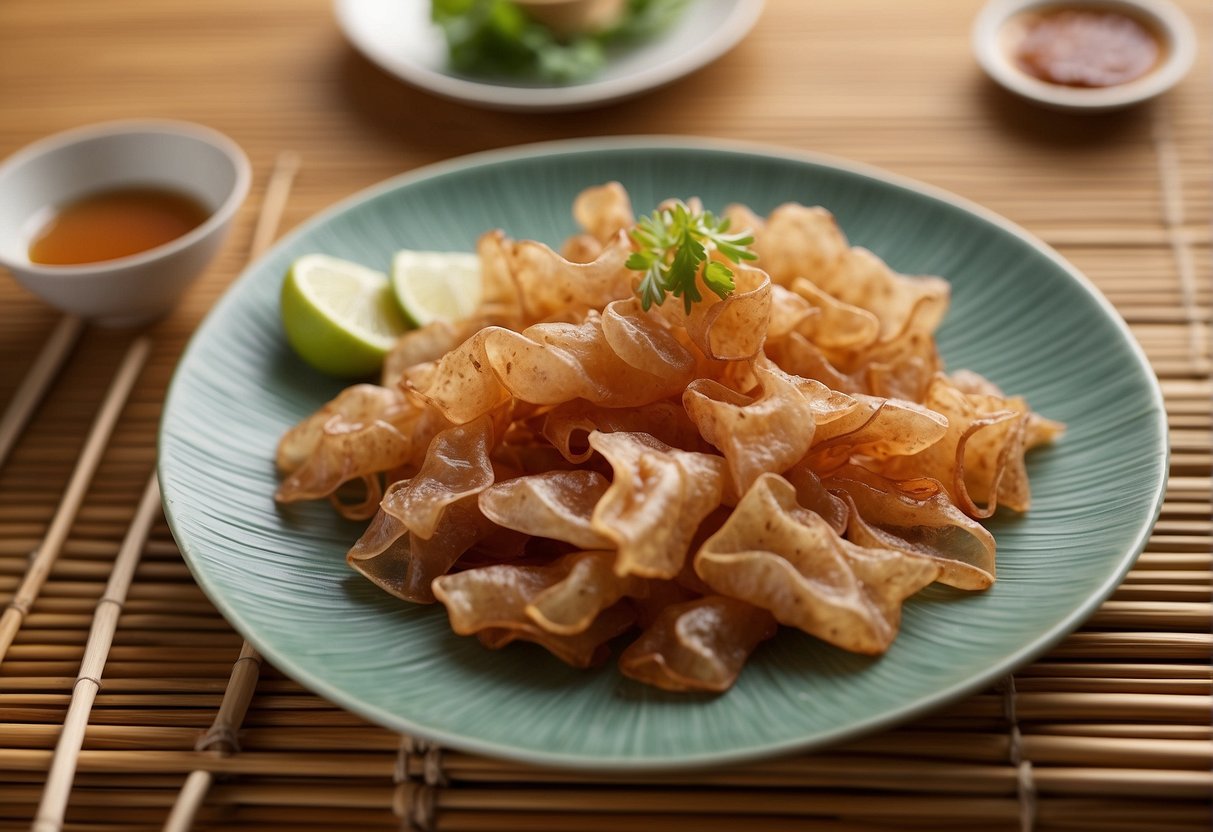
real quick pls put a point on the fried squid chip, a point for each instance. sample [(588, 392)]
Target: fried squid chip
[(357, 404), (767, 432), (1038, 431), (550, 285), (565, 465), (366, 432), (556, 505), (797, 241), (656, 502), (554, 363), (430, 343), (491, 602), (883, 516), (424, 524), (775, 554), (835, 325), (645, 341), (876, 428), (734, 328), (979, 459), (698, 645), (405, 564), (499, 291), (462, 384), (548, 364), (812, 494), (798, 355), (457, 466), (788, 311), (899, 302), (604, 211), (589, 585), (568, 426)]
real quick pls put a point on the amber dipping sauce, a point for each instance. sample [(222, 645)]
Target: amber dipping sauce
[(115, 223), (1087, 47)]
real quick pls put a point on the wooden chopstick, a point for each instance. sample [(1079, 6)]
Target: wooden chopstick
[(90, 457), (37, 381), (53, 806)]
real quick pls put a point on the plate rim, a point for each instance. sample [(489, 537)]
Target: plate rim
[(729, 32), (696, 760)]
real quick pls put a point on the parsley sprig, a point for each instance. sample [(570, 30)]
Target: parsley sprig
[(672, 244)]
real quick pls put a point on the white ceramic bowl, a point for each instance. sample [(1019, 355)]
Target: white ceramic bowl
[(132, 290), (996, 29)]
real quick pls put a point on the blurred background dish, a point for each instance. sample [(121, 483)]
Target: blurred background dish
[(400, 37), (1084, 55)]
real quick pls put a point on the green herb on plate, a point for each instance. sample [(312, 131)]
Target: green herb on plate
[(673, 243), (497, 38)]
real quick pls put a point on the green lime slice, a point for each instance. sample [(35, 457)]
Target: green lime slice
[(339, 317), (436, 285)]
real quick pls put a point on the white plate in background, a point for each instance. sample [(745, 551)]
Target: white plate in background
[(399, 37)]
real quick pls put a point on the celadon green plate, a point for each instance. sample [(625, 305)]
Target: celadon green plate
[(1020, 315)]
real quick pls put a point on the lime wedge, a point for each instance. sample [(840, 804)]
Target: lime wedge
[(436, 285), (340, 317)]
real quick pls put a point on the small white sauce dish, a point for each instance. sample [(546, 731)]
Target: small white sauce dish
[(137, 289), (1001, 23)]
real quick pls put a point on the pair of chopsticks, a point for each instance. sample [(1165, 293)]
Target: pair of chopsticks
[(42, 373)]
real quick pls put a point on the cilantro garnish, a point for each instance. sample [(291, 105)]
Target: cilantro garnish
[(673, 242)]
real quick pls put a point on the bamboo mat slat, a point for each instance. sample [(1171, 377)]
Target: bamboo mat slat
[(1109, 731)]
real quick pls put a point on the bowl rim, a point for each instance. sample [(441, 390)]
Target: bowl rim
[(1167, 19), (132, 127)]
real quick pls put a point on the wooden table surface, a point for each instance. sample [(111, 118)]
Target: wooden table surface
[(1127, 196)]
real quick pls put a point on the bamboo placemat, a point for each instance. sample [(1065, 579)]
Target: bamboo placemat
[(115, 649)]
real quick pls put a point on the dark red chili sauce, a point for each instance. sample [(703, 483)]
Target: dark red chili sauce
[(1078, 47)]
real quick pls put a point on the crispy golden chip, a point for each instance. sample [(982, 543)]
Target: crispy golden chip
[(734, 328), (405, 564), (357, 404), (357, 452), (568, 426), (833, 324), (554, 363), (428, 344), (901, 368), (462, 384), (1038, 431), (456, 466), (581, 248), (645, 342), (767, 432), (797, 241), (698, 645), (884, 516), (777, 555), (364, 433), (499, 291), (901, 303), (556, 505), (604, 211), (656, 502), (798, 355), (788, 312), (492, 601), (546, 364), (979, 459), (812, 494), (876, 428), (588, 587), (550, 285)]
